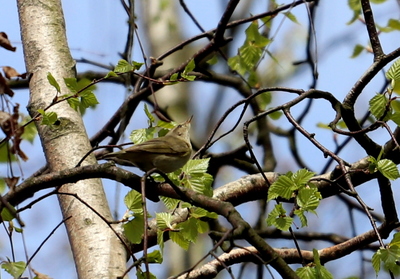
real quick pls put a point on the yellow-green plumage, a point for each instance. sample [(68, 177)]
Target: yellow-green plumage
[(167, 153)]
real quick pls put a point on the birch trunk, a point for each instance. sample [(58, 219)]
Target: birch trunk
[(97, 251)]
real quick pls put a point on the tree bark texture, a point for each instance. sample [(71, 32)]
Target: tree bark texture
[(97, 251)]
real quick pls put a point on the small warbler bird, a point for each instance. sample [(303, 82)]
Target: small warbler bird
[(167, 153)]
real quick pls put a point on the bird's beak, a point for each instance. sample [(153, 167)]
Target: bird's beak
[(189, 120)]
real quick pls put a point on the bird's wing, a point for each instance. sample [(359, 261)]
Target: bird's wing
[(156, 145)]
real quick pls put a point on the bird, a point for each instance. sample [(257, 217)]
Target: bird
[(167, 154)]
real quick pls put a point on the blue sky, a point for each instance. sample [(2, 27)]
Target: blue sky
[(96, 31)]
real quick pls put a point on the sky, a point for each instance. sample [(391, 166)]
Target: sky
[(96, 31)]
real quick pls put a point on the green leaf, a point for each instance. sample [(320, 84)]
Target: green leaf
[(395, 117), (292, 17), (2, 185), (189, 229), (189, 77), (282, 187), (316, 271), (286, 184), (302, 176), (134, 229), (321, 271), (278, 218), (235, 63), (323, 126), (174, 77), (376, 260), (357, 50), (160, 239), (372, 165), (142, 135), (30, 130), (394, 71), (111, 74), (72, 84), (189, 67), (377, 105), (308, 198), (250, 54), (178, 238), (306, 272), (84, 85), (133, 201), (389, 257), (213, 60), (302, 217), (48, 118), (155, 257), (166, 125), (394, 24), (395, 84), (264, 99), (253, 79), (202, 227), (355, 6), (149, 115), (53, 82), (198, 212), (88, 99), (396, 240), (73, 102), (388, 168), (82, 98), (5, 154), (170, 203), (15, 269), (196, 177), (123, 67), (253, 35), (137, 65), (385, 29), (275, 115), (199, 182), (164, 220), (6, 215), (143, 275)]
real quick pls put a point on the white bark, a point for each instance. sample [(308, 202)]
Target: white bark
[(97, 252)]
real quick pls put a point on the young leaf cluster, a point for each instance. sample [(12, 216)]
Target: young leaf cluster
[(385, 166), (123, 67), (249, 54), (134, 228), (392, 24), (80, 98), (193, 176), (355, 6), (384, 107), (185, 232), (15, 269), (185, 75), (293, 185), (156, 128), (388, 256), (314, 270)]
